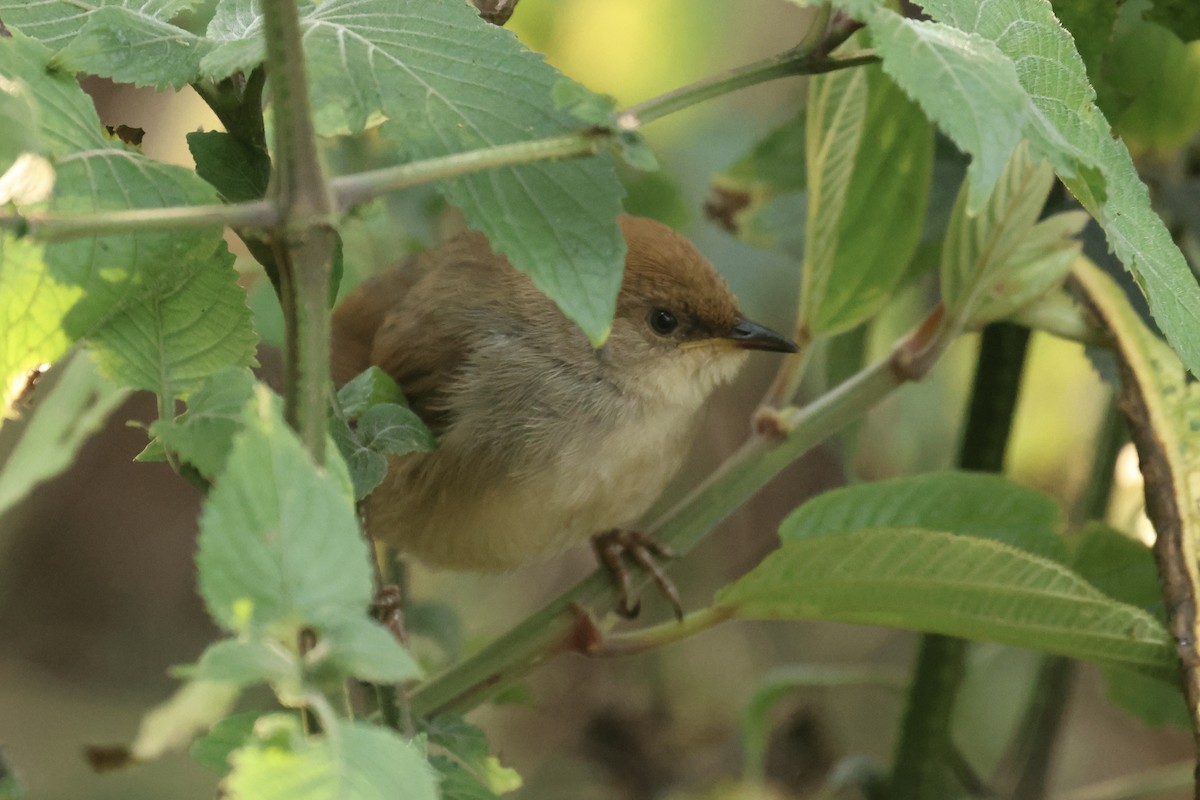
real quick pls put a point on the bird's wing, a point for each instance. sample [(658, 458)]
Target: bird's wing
[(360, 314), (414, 323)]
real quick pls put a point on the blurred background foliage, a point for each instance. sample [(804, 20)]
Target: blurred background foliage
[(97, 585)]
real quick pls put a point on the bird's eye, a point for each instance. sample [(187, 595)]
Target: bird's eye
[(662, 321)]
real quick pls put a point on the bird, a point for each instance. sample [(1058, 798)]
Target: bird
[(544, 441)]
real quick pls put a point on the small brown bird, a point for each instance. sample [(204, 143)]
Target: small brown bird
[(543, 440)]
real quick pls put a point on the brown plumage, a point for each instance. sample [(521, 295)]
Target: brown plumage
[(543, 440)]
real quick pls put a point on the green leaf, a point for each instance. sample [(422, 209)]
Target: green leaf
[(244, 663), (870, 158), (635, 151), (237, 31), (174, 724), (1066, 126), (118, 271), (69, 289), (19, 130), (1119, 566), (394, 429), (456, 783), (379, 429), (964, 83), (181, 328), (352, 761), (1038, 267), (203, 435), (126, 41), (32, 309), (998, 260), (1160, 76), (62, 116), (369, 388), (435, 72), (471, 774), (66, 417), (453, 733), (774, 166), (968, 503), (1154, 701), (583, 104), (1162, 408), (367, 651), (212, 750), (940, 582), (279, 546), (237, 170)]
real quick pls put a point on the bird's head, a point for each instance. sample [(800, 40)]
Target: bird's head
[(678, 331)]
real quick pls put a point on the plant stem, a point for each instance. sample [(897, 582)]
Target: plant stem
[(923, 755), (810, 57), (237, 102), (556, 628), (349, 191), (924, 748), (353, 190), (784, 65), (643, 639), (303, 243), (1110, 438), (63, 227), (1038, 732)]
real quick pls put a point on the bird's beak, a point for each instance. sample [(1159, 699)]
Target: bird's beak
[(747, 335)]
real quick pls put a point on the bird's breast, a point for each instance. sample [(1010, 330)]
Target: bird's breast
[(575, 475)]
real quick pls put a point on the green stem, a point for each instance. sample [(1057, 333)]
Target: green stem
[(63, 227), (924, 753), (237, 102), (1110, 438), (655, 636), (353, 190), (924, 749), (1038, 732), (304, 242), (1058, 316), (349, 191), (810, 57), (556, 628), (784, 65)]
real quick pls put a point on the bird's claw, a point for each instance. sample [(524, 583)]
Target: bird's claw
[(613, 547), (388, 607)]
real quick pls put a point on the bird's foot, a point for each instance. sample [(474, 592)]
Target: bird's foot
[(614, 547), (388, 608)]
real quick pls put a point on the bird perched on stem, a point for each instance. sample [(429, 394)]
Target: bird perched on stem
[(543, 440)]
